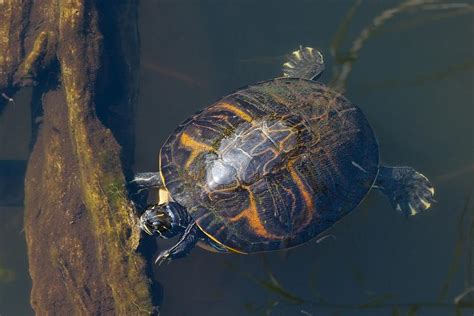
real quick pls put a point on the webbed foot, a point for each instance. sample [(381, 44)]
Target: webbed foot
[(306, 62), (409, 191)]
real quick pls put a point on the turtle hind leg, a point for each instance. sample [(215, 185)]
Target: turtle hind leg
[(306, 63), (140, 185), (409, 191), (147, 180)]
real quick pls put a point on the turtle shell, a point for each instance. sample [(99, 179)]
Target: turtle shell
[(271, 165)]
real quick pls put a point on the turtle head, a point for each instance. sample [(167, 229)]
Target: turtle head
[(163, 220)]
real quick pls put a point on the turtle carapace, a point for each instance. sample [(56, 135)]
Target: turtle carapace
[(271, 166)]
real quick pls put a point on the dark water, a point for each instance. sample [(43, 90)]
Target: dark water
[(413, 79)]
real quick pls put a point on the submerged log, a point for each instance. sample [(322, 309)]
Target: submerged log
[(82, 58)]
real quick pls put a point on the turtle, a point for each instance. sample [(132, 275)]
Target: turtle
[(271, 166)]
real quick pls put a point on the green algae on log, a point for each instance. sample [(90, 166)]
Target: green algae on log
[(80, 228)]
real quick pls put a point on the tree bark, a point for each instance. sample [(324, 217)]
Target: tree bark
[(81, 231)]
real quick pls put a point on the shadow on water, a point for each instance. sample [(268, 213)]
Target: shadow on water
[(14, 279), (15, 129)]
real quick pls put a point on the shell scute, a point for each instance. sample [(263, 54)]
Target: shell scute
[(271, 165)]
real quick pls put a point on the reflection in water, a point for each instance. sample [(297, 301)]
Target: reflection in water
[(167, 72), (6, 275), (15, 284), (344, 62)]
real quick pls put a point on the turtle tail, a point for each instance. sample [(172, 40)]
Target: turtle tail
[(409, 191)]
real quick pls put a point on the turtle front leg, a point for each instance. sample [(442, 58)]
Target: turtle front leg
[(183, 247)]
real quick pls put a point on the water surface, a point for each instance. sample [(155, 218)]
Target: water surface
[(414, 81)]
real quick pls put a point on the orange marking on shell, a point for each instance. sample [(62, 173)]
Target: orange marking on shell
[(234, 109), (194, 147), (250, 214), (304, 192)]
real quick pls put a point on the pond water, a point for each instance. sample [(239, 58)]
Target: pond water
[(413, 78)]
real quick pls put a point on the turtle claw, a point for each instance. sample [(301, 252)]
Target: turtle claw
[(164, 256), (419, 194), (323, 238)]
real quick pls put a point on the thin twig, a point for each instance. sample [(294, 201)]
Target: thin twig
[(458, 298), (341, 73)]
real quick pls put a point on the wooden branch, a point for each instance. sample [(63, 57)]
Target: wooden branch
[(80, 228)]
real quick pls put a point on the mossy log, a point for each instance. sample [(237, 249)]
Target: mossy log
[(82, 59)]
